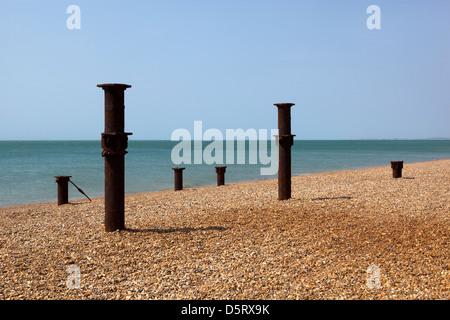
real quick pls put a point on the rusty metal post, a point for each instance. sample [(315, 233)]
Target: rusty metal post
[(63, 189), (178, 172), (397, 167), (114, 143), (220, 170), (285, 142)]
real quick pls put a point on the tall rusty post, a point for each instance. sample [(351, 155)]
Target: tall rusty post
[(178, 172), (397, 167), (220, 170), (63, 189), (114, 143), (285, 142)]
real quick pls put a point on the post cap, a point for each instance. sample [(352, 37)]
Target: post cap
[(284, 104), (62, 178), (221, 169), (114, 85)]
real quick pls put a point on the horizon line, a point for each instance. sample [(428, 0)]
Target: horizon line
[(359, 139)]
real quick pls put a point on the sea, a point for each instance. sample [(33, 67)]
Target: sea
[(28, 168)]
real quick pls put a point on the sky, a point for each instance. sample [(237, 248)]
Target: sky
[(225, 63)]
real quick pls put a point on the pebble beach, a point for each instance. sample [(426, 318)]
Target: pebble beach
[(356, 234)]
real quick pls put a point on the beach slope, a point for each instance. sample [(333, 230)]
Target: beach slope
[(357, 234)]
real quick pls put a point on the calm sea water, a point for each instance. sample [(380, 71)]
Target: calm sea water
[(28, 167)]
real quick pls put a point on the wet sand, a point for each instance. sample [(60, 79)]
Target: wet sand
[(357, 234)]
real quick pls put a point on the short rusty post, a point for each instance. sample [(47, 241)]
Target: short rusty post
[(397, 167), (178, 172), (63, 189), (220, 170), (114, 143), (285, 142)]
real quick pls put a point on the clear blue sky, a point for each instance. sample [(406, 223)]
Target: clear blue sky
[(226, 62)]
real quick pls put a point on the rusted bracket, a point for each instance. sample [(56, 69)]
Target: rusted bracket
[(115, 143), (286, 139)]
